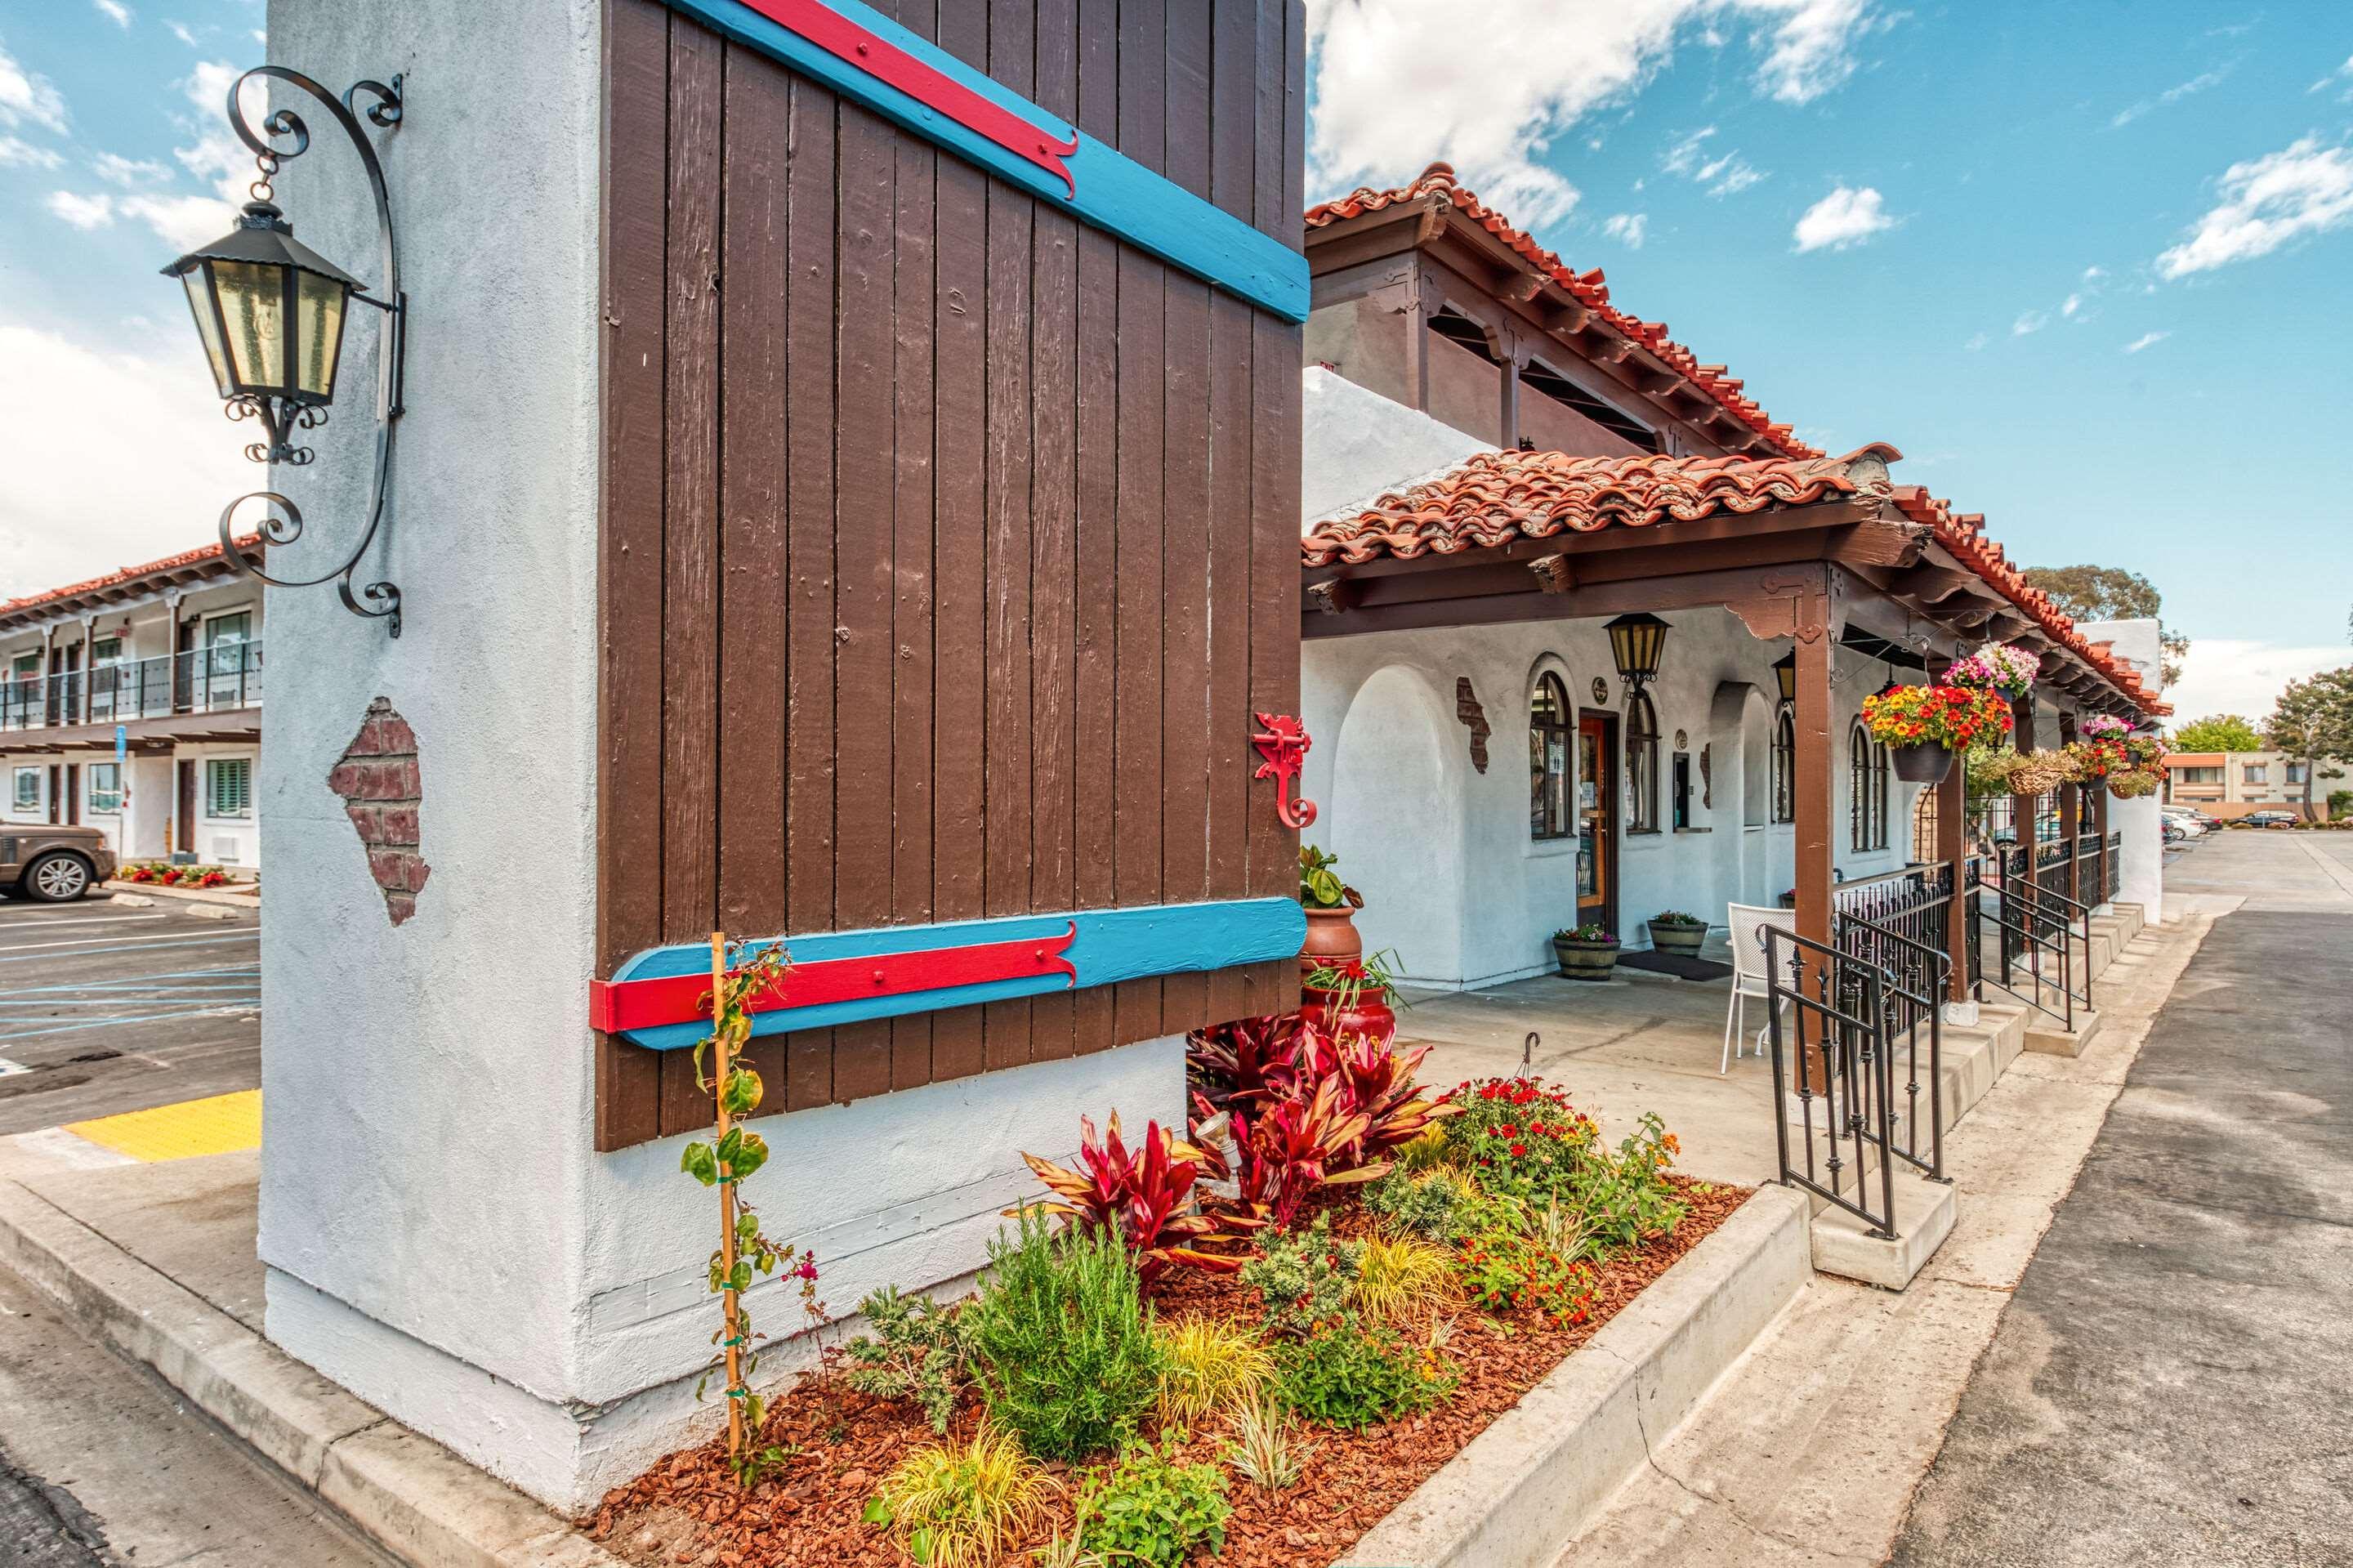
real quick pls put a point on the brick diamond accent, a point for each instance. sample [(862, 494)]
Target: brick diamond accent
[(378, 779)]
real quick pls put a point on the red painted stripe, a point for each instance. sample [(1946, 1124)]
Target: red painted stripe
[(847, 41), (617, 1005)]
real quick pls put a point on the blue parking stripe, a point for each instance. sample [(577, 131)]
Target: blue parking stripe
[(104, 1023)]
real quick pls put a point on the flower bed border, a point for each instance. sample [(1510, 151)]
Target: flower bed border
[(1521, 1490)]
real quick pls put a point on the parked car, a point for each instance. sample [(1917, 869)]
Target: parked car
[(2269, 819), (2182, 820), (2178, 832), (52, 863)]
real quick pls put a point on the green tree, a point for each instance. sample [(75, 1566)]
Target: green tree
[(2112, 593), (2314, 720), (2218, 732)]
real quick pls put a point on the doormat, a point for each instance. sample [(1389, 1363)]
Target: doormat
[(1675, 964)]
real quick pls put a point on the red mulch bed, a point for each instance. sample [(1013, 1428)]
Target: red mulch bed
[(688, 1510)]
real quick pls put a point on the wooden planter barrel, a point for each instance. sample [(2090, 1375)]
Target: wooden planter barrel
[(1585, 960), (1685, 940)]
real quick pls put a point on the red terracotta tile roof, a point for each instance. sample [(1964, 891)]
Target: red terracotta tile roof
[(1964, 535), (1588, 289), (211, 552), (1496, 497)]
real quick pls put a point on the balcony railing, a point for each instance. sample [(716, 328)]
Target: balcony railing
[(203, 679)]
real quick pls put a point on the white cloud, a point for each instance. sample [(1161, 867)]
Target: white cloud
[(2342, 73), (118, 170), (2148, 340), (1977, 341), (180, 31), (2220, 676), (2094, 274), (1394, 87), (2030, 321), (84, 212), (72, 507), (2073, 303), (1845, 216), (1727, 176), (2170, 96), (1683, 157), (2303, 189), (1626, 228), (114, 11), (17, 153), (26, 97)]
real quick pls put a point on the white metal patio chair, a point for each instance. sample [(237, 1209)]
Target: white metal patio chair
[(1749, 975)]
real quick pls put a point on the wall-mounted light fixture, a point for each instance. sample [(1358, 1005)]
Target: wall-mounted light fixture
[(1785, 670), (270, 313), (1635, 642)]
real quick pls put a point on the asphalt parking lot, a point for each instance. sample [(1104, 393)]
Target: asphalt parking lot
[(108, 1008)]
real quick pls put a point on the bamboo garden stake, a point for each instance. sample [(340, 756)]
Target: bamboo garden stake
[(734, 1153)]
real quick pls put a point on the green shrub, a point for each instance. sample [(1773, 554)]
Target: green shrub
[(1154, 1510), (1065, 1357), (917, 1353), (1304, 1277), (1427, 1203), (1504, 1267), (1623, 1200), (963, 1505), (1517, 1137), (1351, 1376)]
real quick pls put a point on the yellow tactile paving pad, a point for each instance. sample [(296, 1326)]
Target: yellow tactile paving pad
[(220, 1125)]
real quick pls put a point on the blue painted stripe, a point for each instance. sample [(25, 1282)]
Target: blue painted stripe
[(1115, 193), (1110, 946), (111, 1023)]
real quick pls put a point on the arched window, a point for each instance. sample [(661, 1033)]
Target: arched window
[(1643, 763), (1784, 765), (1550, 725), (1866, 791)]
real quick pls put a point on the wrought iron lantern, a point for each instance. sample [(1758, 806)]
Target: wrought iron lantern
[(1785, 672), (1635, 642), (270, 313)]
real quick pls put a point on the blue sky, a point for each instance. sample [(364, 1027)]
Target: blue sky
[(2090, 266)]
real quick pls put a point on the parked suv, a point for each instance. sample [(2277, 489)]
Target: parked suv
[(51, 865)]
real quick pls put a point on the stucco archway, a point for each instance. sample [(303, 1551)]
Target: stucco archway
[(1397, 821), (1740, 731)]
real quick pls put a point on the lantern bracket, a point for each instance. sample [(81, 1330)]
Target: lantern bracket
[(284, 135)]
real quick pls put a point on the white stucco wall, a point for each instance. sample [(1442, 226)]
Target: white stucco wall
[(2141, 877), (1358, 444), (1405, 798)]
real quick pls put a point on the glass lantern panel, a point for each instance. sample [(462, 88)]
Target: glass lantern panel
[(200, 304), (318, 334), (253, 308)]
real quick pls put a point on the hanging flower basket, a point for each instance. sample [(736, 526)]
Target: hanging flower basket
[(1925, 725), (1997, 667), (2039, 772), (2132, 786), (2098, 758)]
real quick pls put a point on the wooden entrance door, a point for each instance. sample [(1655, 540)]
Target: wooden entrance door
[(73, 793), (1597, 819), (183, 820)]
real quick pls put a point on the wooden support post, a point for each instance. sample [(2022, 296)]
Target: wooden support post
[(2070, 817), (2023, 808), (1953, 849), (722, 1065), (1812, 760), (2100, 834)]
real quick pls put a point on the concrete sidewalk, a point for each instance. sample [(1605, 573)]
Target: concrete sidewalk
[(1808, 1450), (156, 1261), (2173, 1381)]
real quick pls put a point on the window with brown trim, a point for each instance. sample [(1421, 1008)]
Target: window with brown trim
[(1550, 725), (1784, 765), (1866, 791), (1641, 764)]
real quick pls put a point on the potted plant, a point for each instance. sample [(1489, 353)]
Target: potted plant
[(1925, 726), (1995, 667), (1350, 996), (1586, 952), (1330, 904), (1676, 932)]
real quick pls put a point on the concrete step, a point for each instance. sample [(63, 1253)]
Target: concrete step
[(2050, 1038), (1925, 1212)]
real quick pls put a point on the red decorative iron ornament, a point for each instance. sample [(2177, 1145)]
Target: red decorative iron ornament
[(1283, 743)]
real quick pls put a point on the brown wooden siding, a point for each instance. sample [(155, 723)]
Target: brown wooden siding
[(948, 545)]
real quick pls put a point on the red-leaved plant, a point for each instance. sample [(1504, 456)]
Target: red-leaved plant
[(1246, 1061), (1146, 1194)]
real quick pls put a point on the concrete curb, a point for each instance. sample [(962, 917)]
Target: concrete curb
[(186, 894), (414, 1498), (1524, 1488)]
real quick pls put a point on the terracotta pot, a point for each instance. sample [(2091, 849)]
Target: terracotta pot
[(1369, 1014), (1332, 938), (1685, 940), (1585, 960), (1926, 763)]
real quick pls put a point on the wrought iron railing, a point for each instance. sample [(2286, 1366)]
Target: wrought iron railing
[(2045, 942), (1915, 974), (200, 680), (1833, 1092)]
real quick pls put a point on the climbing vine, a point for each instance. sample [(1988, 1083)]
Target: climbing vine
[(744, 1252)]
